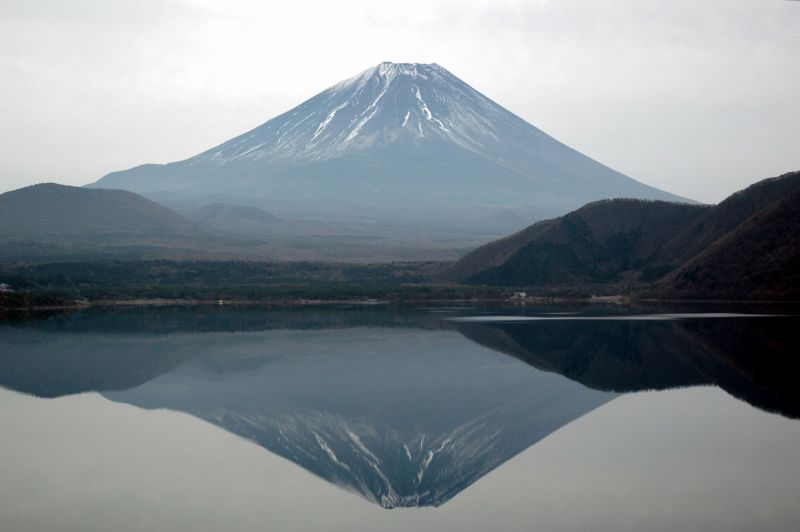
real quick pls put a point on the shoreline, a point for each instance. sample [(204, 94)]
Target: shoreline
[(288, 303), (294, 303)]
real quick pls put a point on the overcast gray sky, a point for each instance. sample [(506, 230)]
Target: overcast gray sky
[(700, 98)]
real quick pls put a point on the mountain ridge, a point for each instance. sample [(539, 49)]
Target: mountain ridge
[(52, 210), (48, 219)]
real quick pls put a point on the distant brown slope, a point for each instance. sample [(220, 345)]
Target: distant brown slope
[(49, 220), (233, 220), (760, 259), (50, 211)]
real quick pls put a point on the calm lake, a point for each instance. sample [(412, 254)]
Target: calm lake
[(580, 417)]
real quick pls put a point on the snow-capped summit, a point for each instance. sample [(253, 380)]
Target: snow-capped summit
[(387, 103), (396, 143)]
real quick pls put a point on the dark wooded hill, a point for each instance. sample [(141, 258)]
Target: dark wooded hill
[(727, 216), (759, 259), (601, 242), (746, 247)]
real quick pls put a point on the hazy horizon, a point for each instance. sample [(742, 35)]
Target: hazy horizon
[(695, 99)]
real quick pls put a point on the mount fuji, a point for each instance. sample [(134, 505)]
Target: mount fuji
[(400, 144)]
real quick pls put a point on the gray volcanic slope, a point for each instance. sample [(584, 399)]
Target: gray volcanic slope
[(398, 143)]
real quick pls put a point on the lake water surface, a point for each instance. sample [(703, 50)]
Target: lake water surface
[(372, 418)]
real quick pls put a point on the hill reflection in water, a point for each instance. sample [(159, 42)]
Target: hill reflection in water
[(405, 408)]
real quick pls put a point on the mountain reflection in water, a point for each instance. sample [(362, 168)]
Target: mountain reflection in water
[(405, 408)]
